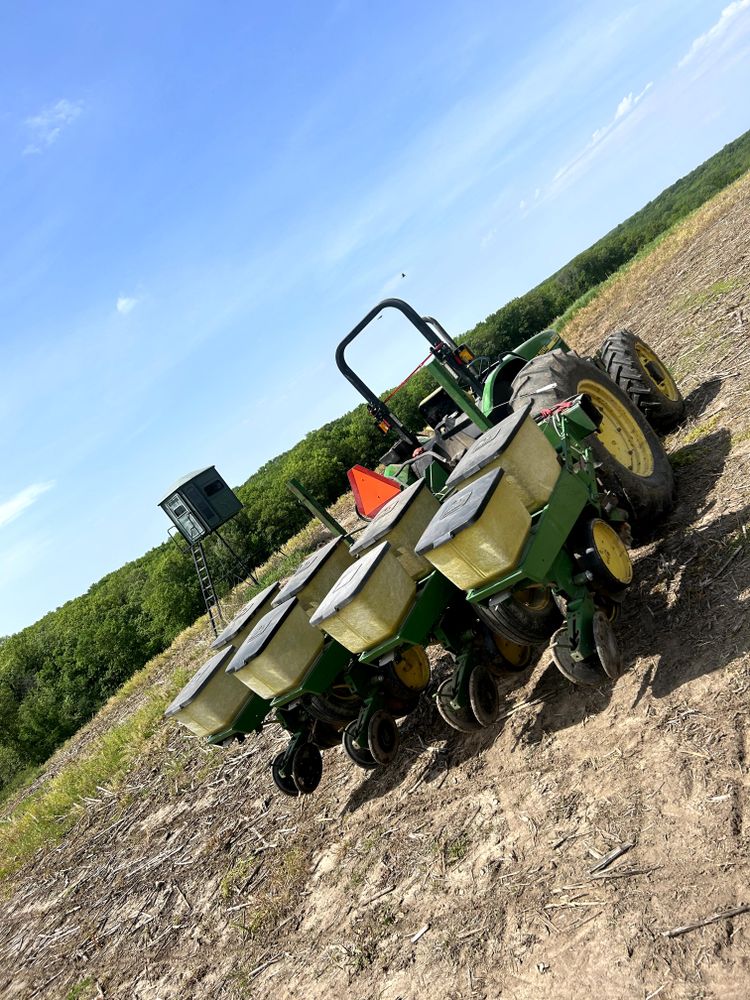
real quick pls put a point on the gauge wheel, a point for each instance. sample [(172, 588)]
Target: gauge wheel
[(383, 738), (462, 719), (580, 672), (484, 696), (284, 782), (632, 462), (360, 755), (527, 617), (640, 372)]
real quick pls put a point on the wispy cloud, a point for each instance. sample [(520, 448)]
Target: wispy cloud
[(126, 304), (13, 508), (47, 126), (716, 31), (624, 108)]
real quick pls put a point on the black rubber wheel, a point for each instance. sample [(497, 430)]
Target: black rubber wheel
[(307, 768), (284, 782), (528, 617), (462, 719), (484, 696), (607, 648), (586, 673), (641, 373), (335, 707), (383, 738), (360, 756), (632, 462)]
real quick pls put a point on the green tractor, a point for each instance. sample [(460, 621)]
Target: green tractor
[(510, 527)]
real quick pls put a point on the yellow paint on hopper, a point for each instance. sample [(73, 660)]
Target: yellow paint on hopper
[(368, 603)]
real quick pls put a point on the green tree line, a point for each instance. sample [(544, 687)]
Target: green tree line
[(55, 674)]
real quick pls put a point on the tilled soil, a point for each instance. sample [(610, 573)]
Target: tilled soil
[(468, 869)]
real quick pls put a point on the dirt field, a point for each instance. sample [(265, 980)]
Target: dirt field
[(466, 870)]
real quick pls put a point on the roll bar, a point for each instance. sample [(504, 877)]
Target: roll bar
[(442, 346)]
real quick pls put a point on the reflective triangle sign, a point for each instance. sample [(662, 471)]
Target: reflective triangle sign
[(371, 490)]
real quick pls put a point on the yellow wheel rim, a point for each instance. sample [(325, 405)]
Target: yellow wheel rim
[(620, 433), (533, 598), (413, 668), (611, 550), (517, 656), (656, 372)]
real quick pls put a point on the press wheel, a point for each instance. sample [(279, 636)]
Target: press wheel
[(361, 756), (462, 719), (576, 671)]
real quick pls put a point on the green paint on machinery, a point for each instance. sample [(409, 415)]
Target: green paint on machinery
[(511, 529)]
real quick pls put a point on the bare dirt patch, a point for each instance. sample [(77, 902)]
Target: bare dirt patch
[(468, 869)]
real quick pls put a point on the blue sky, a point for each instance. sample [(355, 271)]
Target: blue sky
[(198, 201)]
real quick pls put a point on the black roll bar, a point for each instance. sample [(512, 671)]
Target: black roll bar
[(441, 345)]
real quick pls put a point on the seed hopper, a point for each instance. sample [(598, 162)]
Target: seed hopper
[(515, 508)]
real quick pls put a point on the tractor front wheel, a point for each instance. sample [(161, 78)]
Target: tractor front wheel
[(641, 373)]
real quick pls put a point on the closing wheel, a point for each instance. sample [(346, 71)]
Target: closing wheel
[(484, 696), (607, 648), (576, 671), (527, 617), (641, 373), (633, 463), (360, 755), (462, 719), (307, 768), (383, 738), (284, 782)]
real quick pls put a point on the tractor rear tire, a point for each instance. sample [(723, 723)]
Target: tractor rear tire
[(641, 373), (527, 617), (632, 461)]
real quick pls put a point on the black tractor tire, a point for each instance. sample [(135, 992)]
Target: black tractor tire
[(523, 621), (640, 372), (333, 708), (646, 487)]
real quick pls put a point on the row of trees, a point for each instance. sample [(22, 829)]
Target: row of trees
[(55, 674)]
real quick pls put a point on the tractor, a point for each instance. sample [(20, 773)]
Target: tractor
[(512, 511)]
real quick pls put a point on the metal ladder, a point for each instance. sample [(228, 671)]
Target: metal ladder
[(210, 599)]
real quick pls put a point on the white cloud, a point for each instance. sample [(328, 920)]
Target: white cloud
[(47, 126), (126, 304), (488, 238), (522, 204), (13, 508), (716, 30), (623, 109)]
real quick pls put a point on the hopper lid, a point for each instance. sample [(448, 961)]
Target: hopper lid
[(306, 570), (388, 517), (459, 511), (349, 584), (199, 680), (243, 616), (261, 635), (489, 446)]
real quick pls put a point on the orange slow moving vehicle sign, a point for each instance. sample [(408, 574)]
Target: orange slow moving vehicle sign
[(371, 490)]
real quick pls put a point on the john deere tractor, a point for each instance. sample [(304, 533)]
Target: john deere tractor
[(509, 525)]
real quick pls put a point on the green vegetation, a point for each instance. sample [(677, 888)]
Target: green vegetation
[(56, 674)]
